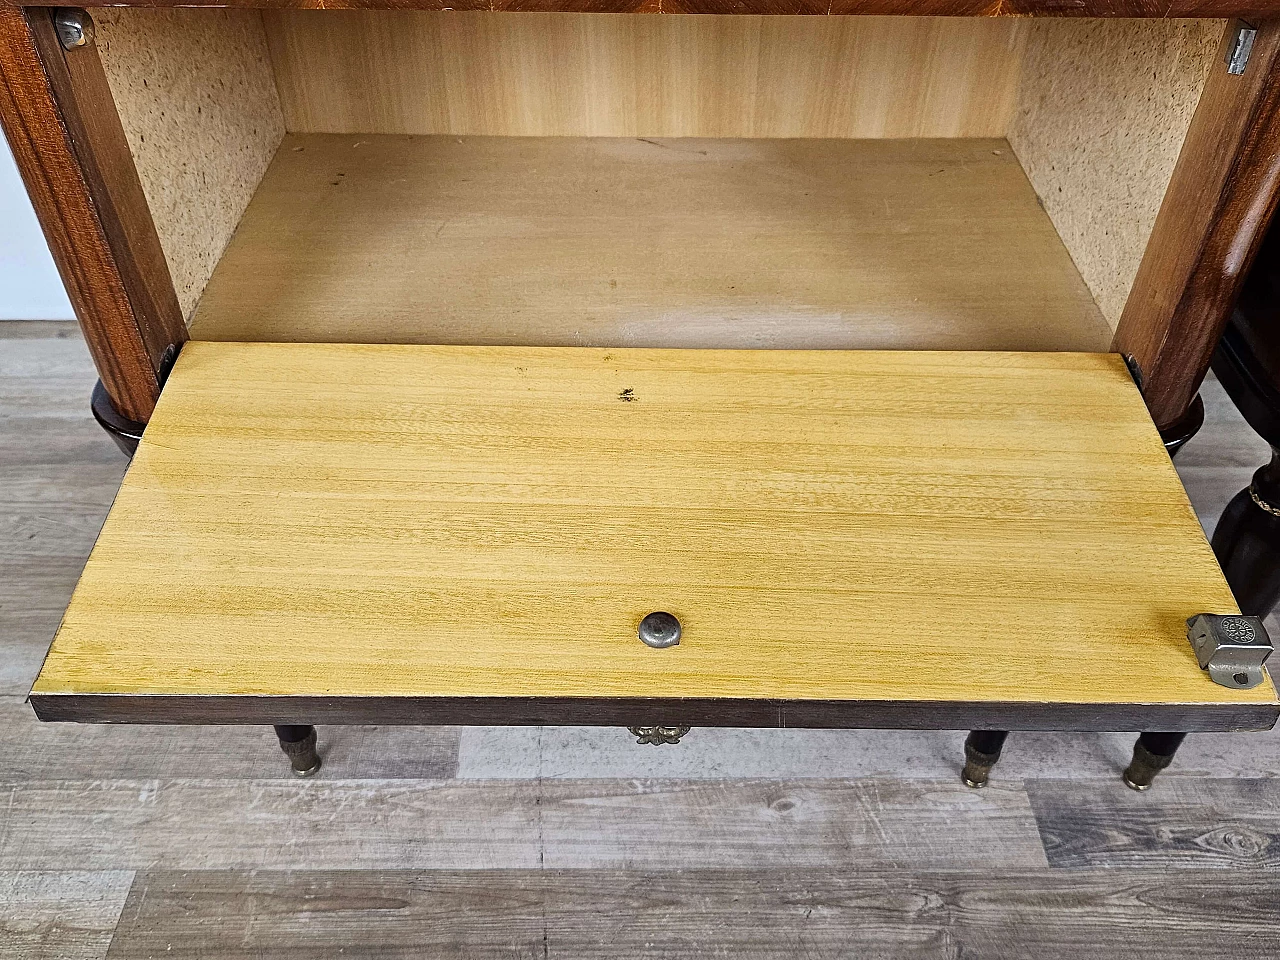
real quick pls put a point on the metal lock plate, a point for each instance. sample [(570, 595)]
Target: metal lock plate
[(1232, 648)]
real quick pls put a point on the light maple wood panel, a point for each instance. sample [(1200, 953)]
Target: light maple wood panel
[(526, 74), (640, 242), (409, 522)]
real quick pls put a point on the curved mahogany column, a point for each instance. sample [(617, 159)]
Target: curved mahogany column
[(62, 125), (1214, 214)]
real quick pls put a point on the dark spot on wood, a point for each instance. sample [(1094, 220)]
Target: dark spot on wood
[(628, 395)]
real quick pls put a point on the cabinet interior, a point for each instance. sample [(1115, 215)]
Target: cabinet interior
[(643, 180)]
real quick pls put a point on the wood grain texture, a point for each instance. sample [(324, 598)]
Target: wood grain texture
[(54, 751), (66, 138), (918, 8), (509, 74), (716, 754), (1095, 915), (59, 473), (1213, 217), (416, 824), (457, 522), (36, 593), (38, 329), (936, 244), (886, 902), (1184, 823), (60, 916)]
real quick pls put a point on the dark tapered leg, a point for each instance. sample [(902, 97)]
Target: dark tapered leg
[(1247, 541), (125, 432), (1151, 754), (1176, 436), (981, 751), (299, 745)]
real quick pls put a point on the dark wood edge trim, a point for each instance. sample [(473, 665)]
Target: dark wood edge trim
[(1149, 9), (576, 711), (71, 151)]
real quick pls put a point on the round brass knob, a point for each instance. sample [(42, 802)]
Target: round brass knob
[(660, 630)]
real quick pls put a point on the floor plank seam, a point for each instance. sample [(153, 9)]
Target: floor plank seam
[(1071, 861)]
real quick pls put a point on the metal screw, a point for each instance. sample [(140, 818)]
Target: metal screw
[(74, 27), (660, 630), (1240, 46)]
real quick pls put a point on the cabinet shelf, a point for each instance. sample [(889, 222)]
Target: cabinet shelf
[(563, 241), (373, 534)]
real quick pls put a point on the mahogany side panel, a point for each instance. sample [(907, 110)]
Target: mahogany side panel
[(61, 123), (1214, 214)]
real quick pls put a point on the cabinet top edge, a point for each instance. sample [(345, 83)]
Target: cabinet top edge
[(1142, 9)]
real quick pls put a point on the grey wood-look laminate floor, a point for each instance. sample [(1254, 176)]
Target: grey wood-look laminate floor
[(133, 842)]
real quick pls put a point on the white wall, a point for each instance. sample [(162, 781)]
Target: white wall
[(29, 285)]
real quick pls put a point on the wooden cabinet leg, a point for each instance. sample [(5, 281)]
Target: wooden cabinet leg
[(299, 745), (1247, 541), (1211, 223), (125, 432), (981, 751), (60, 118), (1176, 436), (1151, 754)]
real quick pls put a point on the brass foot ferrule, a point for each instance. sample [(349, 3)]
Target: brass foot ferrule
[(977, 765), (1143, 768), (303, 757)]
